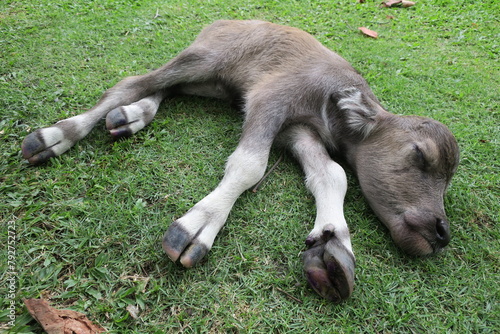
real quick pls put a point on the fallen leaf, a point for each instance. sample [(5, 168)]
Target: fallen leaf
[(56, 321), (396, 3), (407, 4), (133, 311), (368, 32), (391, 3), (143, 280), (390, 17)]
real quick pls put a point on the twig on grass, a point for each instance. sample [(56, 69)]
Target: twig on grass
[(157, 14), (288, 295)]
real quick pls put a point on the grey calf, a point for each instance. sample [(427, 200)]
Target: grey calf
[(297, 93)]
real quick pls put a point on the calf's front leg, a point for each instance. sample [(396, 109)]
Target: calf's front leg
[(190, 237), (329, 261)]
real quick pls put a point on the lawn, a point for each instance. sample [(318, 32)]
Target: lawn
[(83, 231)]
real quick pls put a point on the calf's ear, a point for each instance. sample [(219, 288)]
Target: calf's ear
[(358, 111)]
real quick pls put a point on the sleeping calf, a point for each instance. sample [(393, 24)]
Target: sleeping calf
[(297, 93)]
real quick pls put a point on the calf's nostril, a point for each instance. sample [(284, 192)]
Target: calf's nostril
[(442, 232)]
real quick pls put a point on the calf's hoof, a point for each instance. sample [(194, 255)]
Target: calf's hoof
[(118, 124), (43, 144), (35, 150), (180, 245), (124, 121), (329, 269)]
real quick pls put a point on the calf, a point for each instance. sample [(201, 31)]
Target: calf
[(296, 93)]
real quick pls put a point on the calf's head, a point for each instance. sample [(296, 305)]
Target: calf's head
[(404, 165)]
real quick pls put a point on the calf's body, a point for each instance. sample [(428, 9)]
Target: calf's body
[(297, 93)]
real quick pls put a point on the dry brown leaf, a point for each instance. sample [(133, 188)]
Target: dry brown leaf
[(56, 321), (368, 32), (391, 3), (407, 4), (396, 3)]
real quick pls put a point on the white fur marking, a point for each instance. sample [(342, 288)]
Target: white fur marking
[(55, 140)]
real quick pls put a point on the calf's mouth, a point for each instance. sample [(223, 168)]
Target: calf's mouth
[(420, 233)]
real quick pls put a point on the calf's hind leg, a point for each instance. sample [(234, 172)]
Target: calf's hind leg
[(329, 262), (45, 143), (188, 67)]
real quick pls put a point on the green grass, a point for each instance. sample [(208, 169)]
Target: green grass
[(88, 224)]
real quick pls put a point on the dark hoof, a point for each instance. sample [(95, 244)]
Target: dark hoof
[(178, 243), (193, 255), (35, 150), (329, 268), (175, 240), (118, 124), (116, 118)]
